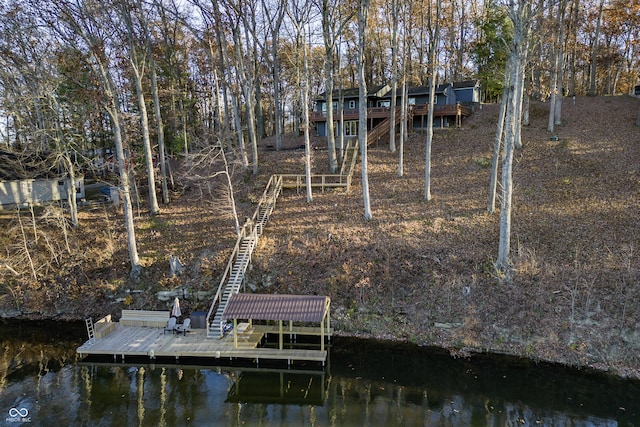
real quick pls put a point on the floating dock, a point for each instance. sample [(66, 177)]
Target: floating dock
[(122, 340)]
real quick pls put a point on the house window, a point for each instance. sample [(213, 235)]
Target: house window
[(412, 101), (352, 105), (385, 104), (335, 106), (351, 128)]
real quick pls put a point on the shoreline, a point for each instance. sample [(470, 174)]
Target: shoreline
[(620, 371)]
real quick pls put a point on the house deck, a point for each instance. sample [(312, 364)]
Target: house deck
[(153, 342)]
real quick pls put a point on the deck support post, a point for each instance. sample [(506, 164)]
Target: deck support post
[(280, 346), (235, 333), (329, 322)]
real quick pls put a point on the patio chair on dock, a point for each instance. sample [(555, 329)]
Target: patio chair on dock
[(184, 327), (171, 325)]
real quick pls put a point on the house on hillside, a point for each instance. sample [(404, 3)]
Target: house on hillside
[(451, 103), (33, 180), (350, 106)]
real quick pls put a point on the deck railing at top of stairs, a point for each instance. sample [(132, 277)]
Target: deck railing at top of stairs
[(249, 230), (349, 158), (383, 128)]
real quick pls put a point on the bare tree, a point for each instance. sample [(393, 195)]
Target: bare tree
[(594, 53), (555, 103), (138, 63), (203, 168), (520, 13), (230, 96), (80, 25), (434, 29), (247, 89), (156, 107), (300, 17), (275, 22), (395, 18), (363, 12), (333, 24)]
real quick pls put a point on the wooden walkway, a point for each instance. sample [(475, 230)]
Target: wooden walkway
[(141, 341)]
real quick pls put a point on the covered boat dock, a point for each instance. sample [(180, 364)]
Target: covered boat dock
[(302, 313)]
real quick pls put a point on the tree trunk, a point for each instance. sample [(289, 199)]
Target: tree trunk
[(395, 11), (113, 111), (433, 46), (519, 88), (154, 209), (224, 63), (520, 14), (560, 61), (526, 109), (137, 65), (247, 88), (594, 53), (575, 13), (275, 36), (237, 119), (159, 124), (403, 117), (363, 9), (340, 147), (305, 120), (496, 146), (71, 191), (328, 75)]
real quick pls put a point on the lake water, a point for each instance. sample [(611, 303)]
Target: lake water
[(366, 383)]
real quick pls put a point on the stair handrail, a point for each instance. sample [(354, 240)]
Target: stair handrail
[(243, 233), (276, 182)]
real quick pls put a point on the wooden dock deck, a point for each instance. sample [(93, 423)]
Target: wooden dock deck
[(153, 342)]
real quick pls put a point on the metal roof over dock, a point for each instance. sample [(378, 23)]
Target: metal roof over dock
[(297, 308)]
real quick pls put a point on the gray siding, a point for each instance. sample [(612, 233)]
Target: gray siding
[(37, 191)]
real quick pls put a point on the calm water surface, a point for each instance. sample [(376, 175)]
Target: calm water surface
[(366, 383)]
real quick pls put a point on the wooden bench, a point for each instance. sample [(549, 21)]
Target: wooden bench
[(104, 327), (149, 318)]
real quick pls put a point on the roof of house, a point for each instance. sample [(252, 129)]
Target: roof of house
[(300, 308), (466, 84), (424, 90), (384, 91), (353, 92)]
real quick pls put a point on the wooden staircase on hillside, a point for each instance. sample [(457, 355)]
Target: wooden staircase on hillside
[(234, 275), (383, 128)]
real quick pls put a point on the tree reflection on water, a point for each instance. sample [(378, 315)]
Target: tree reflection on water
[(365, 383)]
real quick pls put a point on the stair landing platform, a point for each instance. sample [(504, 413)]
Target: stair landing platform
[(153, 342)]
